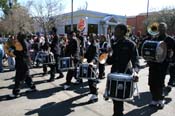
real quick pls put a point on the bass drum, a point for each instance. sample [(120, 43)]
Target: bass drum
[(154, 51)]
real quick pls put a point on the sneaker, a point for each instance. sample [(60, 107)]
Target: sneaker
[(77, 82), (31, 90), (161, 104), (66, 87), (14, 96), (93, 98), (50, 80), (153, 103)]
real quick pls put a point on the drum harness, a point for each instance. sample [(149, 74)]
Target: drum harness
[(135, 83)]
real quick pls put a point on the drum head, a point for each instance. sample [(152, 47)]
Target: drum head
[(161, 51), (154, 51)]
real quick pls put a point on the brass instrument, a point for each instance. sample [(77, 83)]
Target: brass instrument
[(153, 29), (8, 47)]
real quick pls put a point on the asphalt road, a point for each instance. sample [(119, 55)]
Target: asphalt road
[(52, 100)]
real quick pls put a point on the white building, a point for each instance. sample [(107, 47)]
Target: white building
[(93, 22)]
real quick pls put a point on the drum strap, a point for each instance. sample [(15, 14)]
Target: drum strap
[(128, 66)]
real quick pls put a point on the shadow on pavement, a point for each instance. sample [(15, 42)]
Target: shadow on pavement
[(143, 105), (62, 108)]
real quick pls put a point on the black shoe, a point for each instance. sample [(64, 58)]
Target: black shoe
[(50, 80), (93, 100), (60, 76), (166, 90), (45, 73), (102, 77)]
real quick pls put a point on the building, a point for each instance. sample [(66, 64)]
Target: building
[(90, 22), (137, 23)]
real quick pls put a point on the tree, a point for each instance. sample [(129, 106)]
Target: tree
[(18, 19), (4, 6), (46, 14)]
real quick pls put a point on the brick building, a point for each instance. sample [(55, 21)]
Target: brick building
[(137, 23)]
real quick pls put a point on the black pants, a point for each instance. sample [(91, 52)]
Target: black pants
[(172, 75), (22, 74), (156, 81), (101, 70), (118, 108), (72, 73), (92, 86)]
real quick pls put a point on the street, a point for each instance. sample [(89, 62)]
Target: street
[(52, 100)]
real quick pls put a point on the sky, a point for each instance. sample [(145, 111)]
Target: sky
[(118, 7)]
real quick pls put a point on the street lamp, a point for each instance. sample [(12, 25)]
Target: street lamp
[(147, 8), (72, 15)]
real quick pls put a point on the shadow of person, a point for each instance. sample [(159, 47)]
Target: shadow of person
[(144, 111), (145, 98), (43, 93), (62, 108)]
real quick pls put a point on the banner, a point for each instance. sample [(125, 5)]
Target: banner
[(81, 25)]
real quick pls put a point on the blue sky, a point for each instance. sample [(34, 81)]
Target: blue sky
[(119, 7)]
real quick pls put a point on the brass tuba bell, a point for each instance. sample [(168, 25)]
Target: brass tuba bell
[(153, 29)]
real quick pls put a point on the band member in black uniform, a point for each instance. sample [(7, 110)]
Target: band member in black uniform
[(81, 43), (73, 51), (45, 47), (92, 58), (171, 82), (22, 58), (102, 49), (123, 52), (157, 71), (56, 50)]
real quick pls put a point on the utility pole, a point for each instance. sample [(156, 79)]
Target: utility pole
[(72, 15)]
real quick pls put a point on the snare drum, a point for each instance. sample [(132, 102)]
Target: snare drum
[(88, 72), (119, 86), (155, 51), (49, 59), (65, 63), (41, 57)]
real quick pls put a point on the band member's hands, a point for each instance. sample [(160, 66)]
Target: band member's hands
[(91, 64), (135, 77)]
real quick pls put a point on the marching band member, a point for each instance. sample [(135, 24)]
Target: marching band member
[(22, 58), (102, 51), (9, 52), (72, 50), (157, 71), (56, 50), (92, 58), (124, 51)]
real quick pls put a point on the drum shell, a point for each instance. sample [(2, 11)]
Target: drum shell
[(155, 51), (65, 63), (45, 58), (119, 86), (88, 72)]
